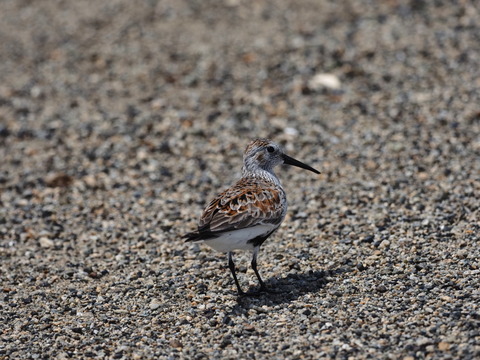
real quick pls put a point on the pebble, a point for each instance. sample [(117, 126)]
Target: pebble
[(154, 304), (45, 242), (329, 81), (443, 346)]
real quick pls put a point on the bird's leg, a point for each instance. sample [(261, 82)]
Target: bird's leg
[(231, 265), (263, 287)]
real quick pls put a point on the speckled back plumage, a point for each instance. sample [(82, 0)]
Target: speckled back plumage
[(251, 201)]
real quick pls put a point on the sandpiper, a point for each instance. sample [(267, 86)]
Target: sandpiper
[(246, 214)]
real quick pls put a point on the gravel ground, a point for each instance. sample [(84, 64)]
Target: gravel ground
[(119, 120)]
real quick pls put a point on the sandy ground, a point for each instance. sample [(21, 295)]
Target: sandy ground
[(119, 120)]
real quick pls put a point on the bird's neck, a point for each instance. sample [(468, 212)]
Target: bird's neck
[(268, 175)]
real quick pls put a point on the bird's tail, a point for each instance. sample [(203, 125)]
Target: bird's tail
[(202, 233), (192, 236)]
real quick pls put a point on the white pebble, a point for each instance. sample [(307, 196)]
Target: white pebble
[(45, 242), (328, 81)]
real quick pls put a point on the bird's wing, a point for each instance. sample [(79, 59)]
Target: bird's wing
[(247, 203)]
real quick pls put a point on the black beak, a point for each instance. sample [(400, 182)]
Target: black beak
[(291, 161)]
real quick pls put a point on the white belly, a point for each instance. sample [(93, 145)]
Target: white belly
[(238, 239)]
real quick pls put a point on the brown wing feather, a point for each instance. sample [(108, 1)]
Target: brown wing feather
[(247, 203)]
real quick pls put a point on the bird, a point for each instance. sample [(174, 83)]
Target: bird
[(247, 213)]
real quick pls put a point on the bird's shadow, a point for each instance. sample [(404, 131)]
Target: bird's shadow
[(290, 287)]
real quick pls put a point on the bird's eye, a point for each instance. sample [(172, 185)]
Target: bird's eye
[(270, 149)]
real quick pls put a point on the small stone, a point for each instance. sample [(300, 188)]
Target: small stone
[(142, 154), (58, 180), (328, 81), (46, 242), (290, 131), (249, 328), (382, 288), (90, 181), (443, 346), (157, 103), (154, 304), (384, 244), (176, 343), (361, 267), (368, 238), (77, 330), (423, 341)]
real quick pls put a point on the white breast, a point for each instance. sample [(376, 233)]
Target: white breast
[(238, 239)]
